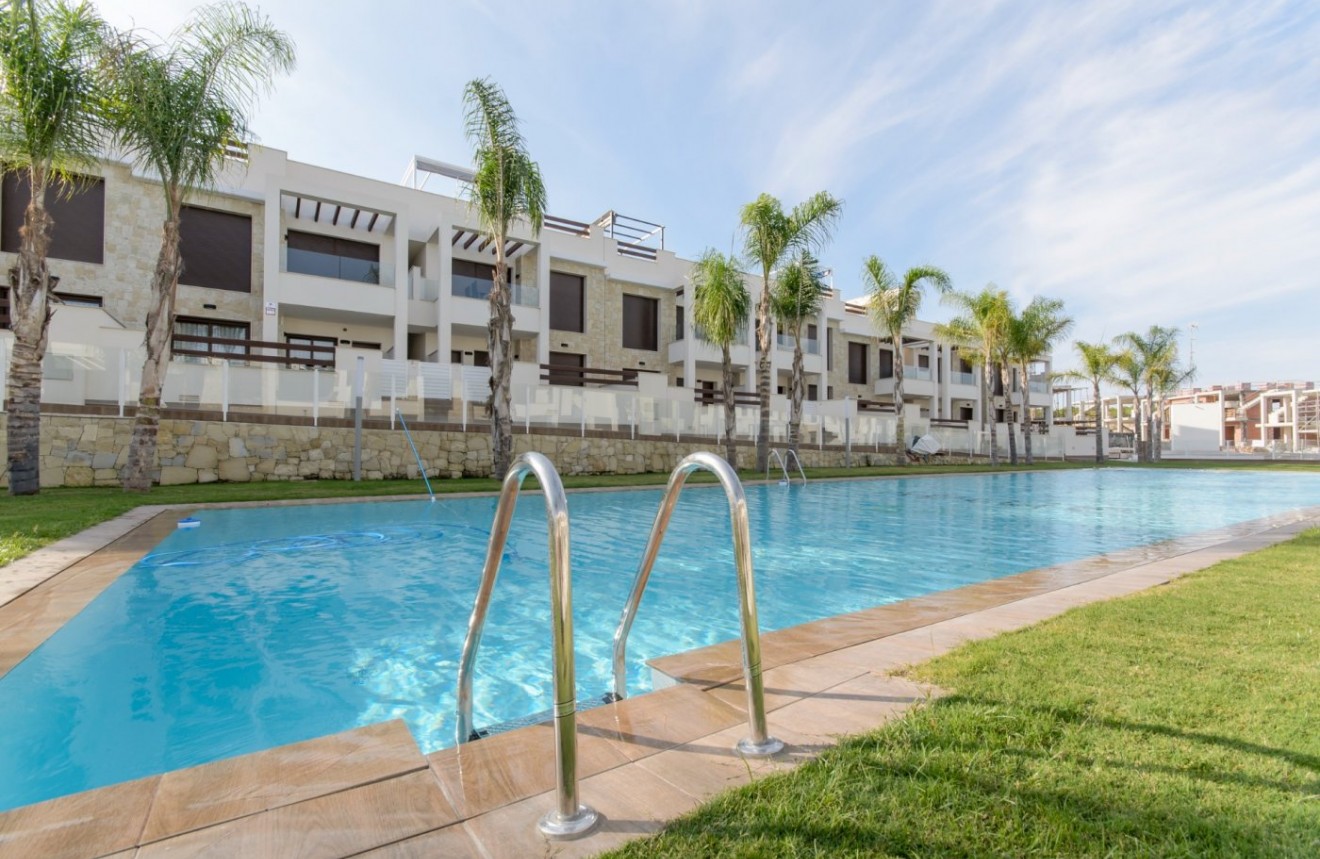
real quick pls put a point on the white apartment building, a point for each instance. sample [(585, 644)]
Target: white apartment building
[(300, 268)]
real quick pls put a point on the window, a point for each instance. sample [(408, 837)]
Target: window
[(812, 332), (886, 364), (678, 323), (829, 392), (640, 323), (965, 413), (829, 351), (216, 249), (813, 393), (566, 359), (207, 338), (475, 279), (923, 361), (858, 357), (566, 305), (78, 214), (327, 256), (296, 355)]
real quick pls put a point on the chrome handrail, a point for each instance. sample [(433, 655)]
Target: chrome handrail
[(570, 817), (760, 743), (783, 460), (792, 454)]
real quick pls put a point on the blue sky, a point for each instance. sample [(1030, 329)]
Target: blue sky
[(1146, 162)]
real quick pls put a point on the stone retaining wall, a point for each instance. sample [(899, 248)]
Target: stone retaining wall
[(90, 451)]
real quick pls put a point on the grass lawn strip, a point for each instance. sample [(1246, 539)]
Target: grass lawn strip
[(1178, 722)]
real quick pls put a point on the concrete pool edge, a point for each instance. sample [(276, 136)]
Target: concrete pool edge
[(372, 788)]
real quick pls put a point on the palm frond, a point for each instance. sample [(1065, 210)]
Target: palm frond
[(721, 303)]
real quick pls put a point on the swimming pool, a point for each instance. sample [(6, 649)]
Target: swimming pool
[(266, 626)]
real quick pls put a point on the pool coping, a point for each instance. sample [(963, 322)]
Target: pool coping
[(642, 760)]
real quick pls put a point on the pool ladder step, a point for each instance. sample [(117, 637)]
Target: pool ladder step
[(569, 817)]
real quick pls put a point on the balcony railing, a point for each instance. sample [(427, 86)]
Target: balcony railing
[(740, 339), (422, 289), (1039, 385), (317, 264), (961, 378), (465, 286), (810, 345)]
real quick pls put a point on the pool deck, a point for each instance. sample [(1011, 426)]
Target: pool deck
[(642, 761)]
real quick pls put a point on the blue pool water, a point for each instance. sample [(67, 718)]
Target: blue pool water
[(269, 626)]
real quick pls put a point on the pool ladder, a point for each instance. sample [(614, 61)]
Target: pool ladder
[(789, 454), (570, 818)]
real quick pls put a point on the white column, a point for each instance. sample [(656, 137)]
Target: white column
[(400, 287), (444, 305), (689, 340), (543, 289), (950, 367), (273, 239)]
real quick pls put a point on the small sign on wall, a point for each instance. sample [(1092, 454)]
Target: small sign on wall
[(270, 308)]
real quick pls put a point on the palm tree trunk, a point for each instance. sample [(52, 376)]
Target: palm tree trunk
[(160, 327), (799, 393), (1007, 380), (29, 290), (1024, 417), (499, 336), (1099, 440), (763, 337), (1151, 443), (986, 375), (901, 457), (730, 411)]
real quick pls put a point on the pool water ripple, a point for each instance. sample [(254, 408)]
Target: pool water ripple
[(267, 626)]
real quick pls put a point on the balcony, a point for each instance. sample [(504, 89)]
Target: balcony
[(465, 286), (810, 345), (917, 382), (315, 280), (706, 352)]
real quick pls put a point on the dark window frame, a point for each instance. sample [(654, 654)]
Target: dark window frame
[(212, 350), (641, 326), (81, 211), (859, 357), (216, 246), (568, 302), (334, 257)]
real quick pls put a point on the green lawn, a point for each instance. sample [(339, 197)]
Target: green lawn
[(1180, 722)]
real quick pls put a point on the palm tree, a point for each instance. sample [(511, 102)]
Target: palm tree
[(979, 332), (799, 295), (770, 235), (1156, 354), (1127, 375), (178, 109), (1032, 334), (1097, 367), (893, 306), (720, 305), (51, 125), (506, 186)]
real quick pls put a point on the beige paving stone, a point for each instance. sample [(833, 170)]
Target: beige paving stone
[(339, 824), (204, 795), (713, 764), (486, 774), (92, 823), (657, 721), (630, 800), (452, 842), (788, 683)]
